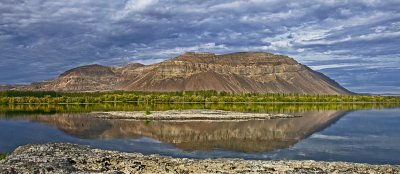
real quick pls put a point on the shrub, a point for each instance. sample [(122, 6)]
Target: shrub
[(3, 155), (147, 112)]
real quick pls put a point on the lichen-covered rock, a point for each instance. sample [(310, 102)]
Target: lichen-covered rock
[(70, 158)]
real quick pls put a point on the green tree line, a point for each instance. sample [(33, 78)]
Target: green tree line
[(51, 97), (18, 109)]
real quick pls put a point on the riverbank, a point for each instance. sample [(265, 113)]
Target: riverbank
[(203, 97), (190, 114), (71, 158)]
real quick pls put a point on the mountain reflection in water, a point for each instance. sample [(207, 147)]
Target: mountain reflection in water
[(243, 136)]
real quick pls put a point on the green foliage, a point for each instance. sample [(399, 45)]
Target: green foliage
[(51, 97), (3, 155), (146, 122), (147, 112), (34, 109)]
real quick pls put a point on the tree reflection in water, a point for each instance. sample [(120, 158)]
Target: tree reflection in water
[(242, 136)]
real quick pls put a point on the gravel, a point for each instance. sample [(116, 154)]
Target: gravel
[(191, 114), (72, 158)]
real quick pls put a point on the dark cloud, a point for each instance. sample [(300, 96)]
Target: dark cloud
[(39, 38)]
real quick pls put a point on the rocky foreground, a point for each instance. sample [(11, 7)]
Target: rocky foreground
[(70, 158), (190, 114)]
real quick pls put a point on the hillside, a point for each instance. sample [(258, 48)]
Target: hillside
[(258, 72)]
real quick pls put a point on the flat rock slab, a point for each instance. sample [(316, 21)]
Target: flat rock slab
[(192, 114), (71, 158)]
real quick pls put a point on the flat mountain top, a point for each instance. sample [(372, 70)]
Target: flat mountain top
[(239, 58)]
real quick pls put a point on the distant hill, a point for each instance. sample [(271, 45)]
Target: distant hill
[(9, 86), (258, 72)]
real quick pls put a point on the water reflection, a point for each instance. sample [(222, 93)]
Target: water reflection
[(242, 136), (10, 110)]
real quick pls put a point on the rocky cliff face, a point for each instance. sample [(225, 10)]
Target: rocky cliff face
[(236, 72)]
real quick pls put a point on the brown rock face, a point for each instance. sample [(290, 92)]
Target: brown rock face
[(10, 86), (84, 78), (236, 72)]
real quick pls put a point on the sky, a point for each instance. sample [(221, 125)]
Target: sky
[(354, 42)]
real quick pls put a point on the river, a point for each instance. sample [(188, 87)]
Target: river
[(366, 134)]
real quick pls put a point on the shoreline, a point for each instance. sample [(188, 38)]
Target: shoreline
[(72, 158), (189, 114), (146, 102)]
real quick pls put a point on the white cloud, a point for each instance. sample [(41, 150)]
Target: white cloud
[(379, 35), (139, 5), (201, 47), (272, 17), (134, 6), (329, 137), (320, 67)]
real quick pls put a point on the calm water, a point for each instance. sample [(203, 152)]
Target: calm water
[(335, 133)]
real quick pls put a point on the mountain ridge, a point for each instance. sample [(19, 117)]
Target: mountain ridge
[(258, 72)]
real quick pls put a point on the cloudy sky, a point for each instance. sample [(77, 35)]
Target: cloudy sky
[(356, 43)]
